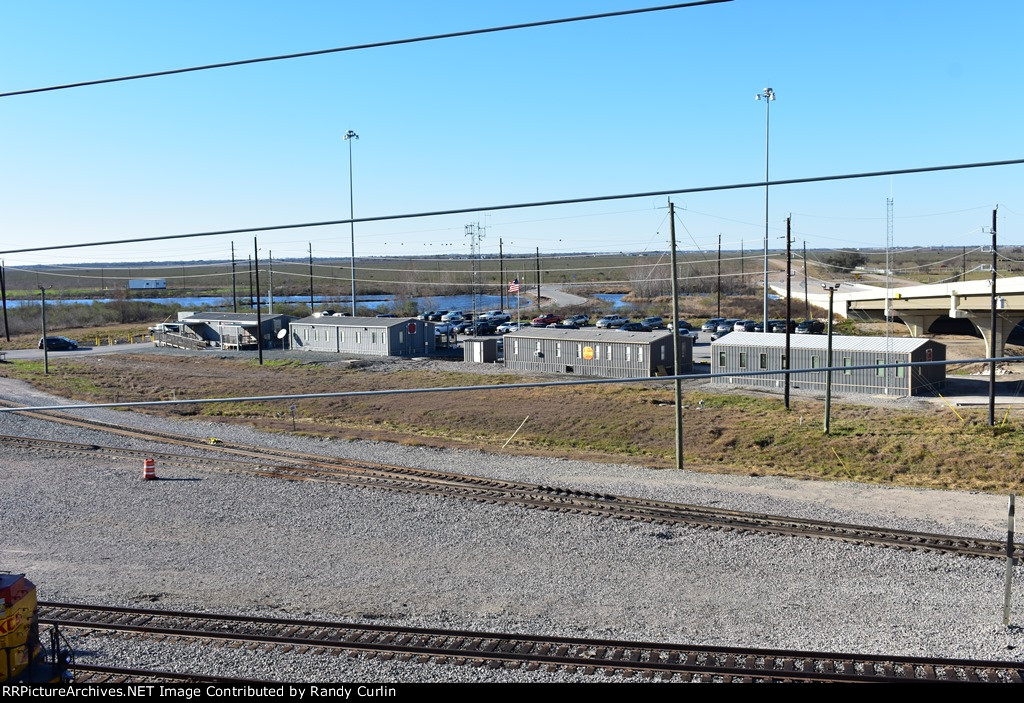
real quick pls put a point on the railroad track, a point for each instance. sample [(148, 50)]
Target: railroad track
[(95, 674), (528, 652), (302, 466)]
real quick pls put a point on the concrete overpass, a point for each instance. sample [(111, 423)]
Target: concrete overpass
[(920, 306)]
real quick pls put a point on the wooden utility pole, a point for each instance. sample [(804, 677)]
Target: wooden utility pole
[(807, 302), (718, 284), (3, 295), (538, 277), (259, 314), (234, 291), (312, 308), (676, 356), (501, 273), (789, 307), (46, 347), (992, 335)]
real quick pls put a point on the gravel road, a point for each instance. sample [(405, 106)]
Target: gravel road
[(92, 531)]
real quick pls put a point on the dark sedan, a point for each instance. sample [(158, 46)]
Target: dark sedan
[(810, 327), (58, 344)]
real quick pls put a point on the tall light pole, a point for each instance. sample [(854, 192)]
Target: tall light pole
[(349, 136), (828, 358), (768, 95)]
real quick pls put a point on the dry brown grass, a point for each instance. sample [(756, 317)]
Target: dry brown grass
[(733, 432)]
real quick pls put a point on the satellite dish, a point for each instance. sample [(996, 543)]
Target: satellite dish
[(282, 334)]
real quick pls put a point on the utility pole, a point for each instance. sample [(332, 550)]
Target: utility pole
[(831, 288), (46, 347), (676, 360), (992, 335), (718, 283), (807, 302), (270, 293), (789, 301), (3, 295), (501, 273), (259, 314), (963, 264), (312, 309), (252, 301), (234, 292), (538, 277)]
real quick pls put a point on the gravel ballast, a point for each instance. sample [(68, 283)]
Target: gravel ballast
[(88, 530)]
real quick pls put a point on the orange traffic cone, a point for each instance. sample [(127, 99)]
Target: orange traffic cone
[(148, 469)]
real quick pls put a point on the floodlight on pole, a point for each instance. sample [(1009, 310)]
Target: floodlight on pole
[(348, 137), (768, 95)]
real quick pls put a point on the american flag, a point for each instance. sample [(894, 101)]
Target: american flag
[(513, 287)]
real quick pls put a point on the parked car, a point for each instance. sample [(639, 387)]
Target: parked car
[(712, 324), (575, 321), (683, 324), (727, 325), (481, 328), (780, 326), (719, 333), (810, 327), (744, 326), (612, 321), (58, 344), (692, 334), (634, 327), (436, 315), (653, 323), (507, 327), (546, 319), (444, 328), (495, 316), (453, 316), (462, 327)]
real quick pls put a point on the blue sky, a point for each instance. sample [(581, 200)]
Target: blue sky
[(652, 102)]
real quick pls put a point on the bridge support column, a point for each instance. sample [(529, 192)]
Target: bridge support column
[(917, 324), (1003, 329)]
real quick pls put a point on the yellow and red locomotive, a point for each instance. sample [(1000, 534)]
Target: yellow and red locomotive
[(22, 656)]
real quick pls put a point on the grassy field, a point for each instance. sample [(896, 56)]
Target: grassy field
[(731, 433)]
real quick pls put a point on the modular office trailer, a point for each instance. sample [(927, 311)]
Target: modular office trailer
[(755, 351), (377, 336), (594, 352), (228, 330)]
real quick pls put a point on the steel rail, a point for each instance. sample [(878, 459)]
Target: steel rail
[(494, 491), (580, 654), (97, 674)]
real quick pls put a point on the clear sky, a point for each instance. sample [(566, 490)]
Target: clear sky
[(652, 102)]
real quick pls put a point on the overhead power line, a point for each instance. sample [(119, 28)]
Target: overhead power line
[(358, 47), (540, 203)]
